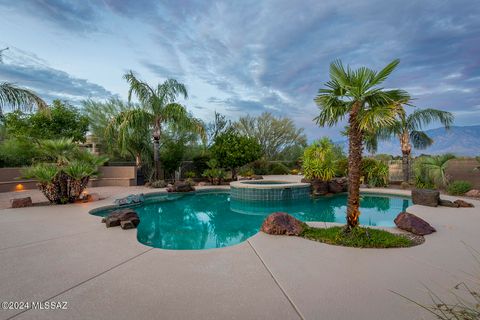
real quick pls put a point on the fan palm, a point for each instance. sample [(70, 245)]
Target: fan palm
[(408, 129), (433, 169), (158, 107), (18, 98), (355, 94)]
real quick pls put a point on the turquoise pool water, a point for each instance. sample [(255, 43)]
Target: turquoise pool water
[(206, 220)]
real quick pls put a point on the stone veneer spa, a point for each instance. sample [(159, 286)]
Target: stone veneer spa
[(269, 190)]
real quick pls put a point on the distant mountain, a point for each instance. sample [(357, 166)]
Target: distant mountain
[(461, 141)]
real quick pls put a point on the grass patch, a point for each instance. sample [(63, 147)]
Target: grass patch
[(360, 237)]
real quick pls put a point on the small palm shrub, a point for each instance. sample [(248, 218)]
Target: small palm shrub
[(319, 160), (64, 171), (430, 171), (214, 174), (459, 187), (279, 169)]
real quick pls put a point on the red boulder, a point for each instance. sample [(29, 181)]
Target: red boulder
[(281, 223)]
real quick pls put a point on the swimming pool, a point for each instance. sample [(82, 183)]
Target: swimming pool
[(204, 220)]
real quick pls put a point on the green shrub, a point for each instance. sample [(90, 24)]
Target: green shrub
[(260, 167), (246, 172), (459, 187), (190, 174), (374, 172), (319, 161), (279, 168), (200, 163), (341, 168)]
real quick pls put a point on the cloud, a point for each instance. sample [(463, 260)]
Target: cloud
[(29, 71), (273, 55)]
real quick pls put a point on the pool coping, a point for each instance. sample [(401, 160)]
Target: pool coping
[(247, 184)]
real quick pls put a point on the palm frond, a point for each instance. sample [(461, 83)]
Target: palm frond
[(19, 98), (141, 89), (383, 74), (424, 117), (420, 139)]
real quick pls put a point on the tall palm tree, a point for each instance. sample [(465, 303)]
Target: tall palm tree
[(15, 98), (158, 107), (355, 93), (408, 129)]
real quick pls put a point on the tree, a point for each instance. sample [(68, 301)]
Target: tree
[(355, 93), (274, 134), (219, 125), (233, 150), (17, 98), (134, 142), (158, 107), (61, 120), (408, 129)]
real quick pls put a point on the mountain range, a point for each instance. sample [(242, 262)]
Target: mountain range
[(459, 140)]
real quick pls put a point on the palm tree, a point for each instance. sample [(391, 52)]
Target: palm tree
[(355, 93), (408, 129), (432, 169), (158, 107), (18, 98)]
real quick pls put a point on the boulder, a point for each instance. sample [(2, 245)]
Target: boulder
[(127, 224), (203, 184), (21, 202), (411, 223), (115, 218), (130, 199), (425, 197), (463, 204), (281, 223), (319, 187), (473, 193), (447, 203), (180, 186), (338, 185)]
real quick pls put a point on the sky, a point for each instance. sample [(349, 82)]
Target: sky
[(243, 57)]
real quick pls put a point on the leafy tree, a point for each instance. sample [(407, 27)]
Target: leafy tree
[(355, 94), (219, 125), (16, 98), (273, 134), (60, 120), (158, 107), (233, 150), (408, 129), (134, 142)]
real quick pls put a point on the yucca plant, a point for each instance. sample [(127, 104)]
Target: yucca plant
[(65, 172)]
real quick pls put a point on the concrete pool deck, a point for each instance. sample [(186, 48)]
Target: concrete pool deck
[(61, 253)]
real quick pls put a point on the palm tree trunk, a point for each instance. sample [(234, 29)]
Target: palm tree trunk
[(406, 150), (355, 147), (156, 157)]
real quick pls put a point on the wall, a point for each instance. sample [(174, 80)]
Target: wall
[(109, 176), (464, 169)]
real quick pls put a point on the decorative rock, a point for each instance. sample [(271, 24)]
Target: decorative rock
[(319, 187), (281, 223), (21, 202), (463, 204), (127, 225), (180, 186), (203, 184), (426, 197), (93, 197), (447, 203), (115, 218), (338, 185), (411, 223), (130, 199), (473, 193)]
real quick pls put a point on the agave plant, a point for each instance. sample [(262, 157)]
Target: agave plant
[(65, 172)]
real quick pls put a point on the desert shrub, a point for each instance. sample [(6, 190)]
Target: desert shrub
[(279, 168), (459, 187), (214, 174), (294, 171), (246, 171), (17, 152), (157, 184), (260, 167)]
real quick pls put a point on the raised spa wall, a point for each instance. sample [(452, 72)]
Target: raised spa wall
[(242, 190)]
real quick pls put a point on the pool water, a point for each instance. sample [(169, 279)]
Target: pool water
[(204, 220)]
